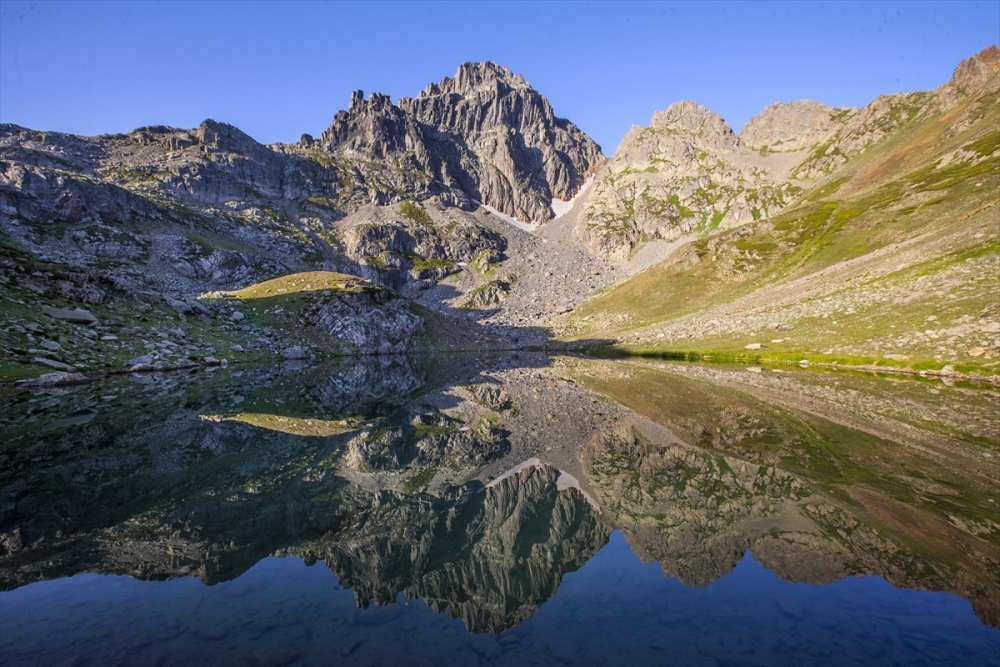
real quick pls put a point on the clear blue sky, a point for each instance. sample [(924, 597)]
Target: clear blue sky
[(278, 70)]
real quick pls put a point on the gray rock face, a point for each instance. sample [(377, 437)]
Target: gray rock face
[(684, 173), (35, 193), (484, 132), (373, 321), (394, 249), (788, 127), (102, 240)]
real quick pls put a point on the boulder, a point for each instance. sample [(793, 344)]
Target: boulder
[(52, 363), (181, 307), (77, 316), (198, 309), (295, 352)]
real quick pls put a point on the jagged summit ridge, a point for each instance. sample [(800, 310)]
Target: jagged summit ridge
[(978, 69), (474, 76), (484, 132), (706, 127)]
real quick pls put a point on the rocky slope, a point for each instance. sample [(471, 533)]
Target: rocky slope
[(902, 217), (688, 172), (683, 173), (389, 193)]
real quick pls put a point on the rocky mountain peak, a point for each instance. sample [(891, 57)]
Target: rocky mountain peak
[(225, 137), (471, 77), (684, 173), (374, 128), (707, 128), (977, 70), (376, 103), (483, 132), (789, 126)]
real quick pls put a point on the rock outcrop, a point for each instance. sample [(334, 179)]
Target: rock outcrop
[(411, 245), (368, 322), (684, 173), (789, 127)]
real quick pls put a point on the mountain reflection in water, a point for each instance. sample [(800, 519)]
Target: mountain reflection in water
[(381, 469)]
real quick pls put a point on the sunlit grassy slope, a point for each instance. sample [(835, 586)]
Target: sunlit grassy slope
[(295, 285), (902, 239)]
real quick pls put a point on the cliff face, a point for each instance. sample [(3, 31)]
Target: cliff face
[(484, 132), (789, 127)]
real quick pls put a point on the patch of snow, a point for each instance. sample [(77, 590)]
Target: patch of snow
[(526, 226), (563, 482), (561, 208), (530, 463), (567, 481)]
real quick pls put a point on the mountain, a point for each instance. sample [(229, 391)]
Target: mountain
[(690, 238), (886, 209), (688, 172), (485, 133), (684, 173)]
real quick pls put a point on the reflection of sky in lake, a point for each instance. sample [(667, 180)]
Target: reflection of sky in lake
[(613, 611)]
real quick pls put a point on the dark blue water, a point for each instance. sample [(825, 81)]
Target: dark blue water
[(615, 610)]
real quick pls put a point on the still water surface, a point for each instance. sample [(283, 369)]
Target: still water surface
[(522, 510)]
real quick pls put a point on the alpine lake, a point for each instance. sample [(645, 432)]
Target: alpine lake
[(520, 509)]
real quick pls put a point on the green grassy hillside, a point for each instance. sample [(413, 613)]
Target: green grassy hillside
[(896, 255)]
